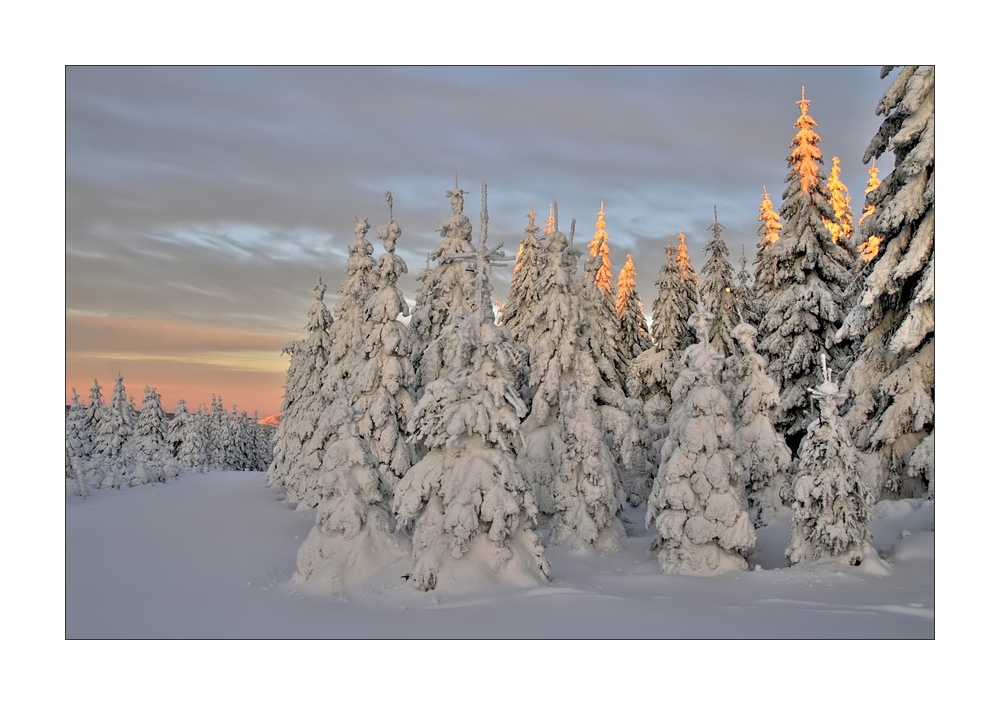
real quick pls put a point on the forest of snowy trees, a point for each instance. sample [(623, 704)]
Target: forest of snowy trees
[(114, 445), (467, 438)]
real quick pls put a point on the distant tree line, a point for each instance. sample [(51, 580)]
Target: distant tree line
[(114, 445)]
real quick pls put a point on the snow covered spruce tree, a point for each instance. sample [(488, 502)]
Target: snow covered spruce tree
[(830, 499), (634, 336), (698, 504), (302, 404), (113, 443), (689, 291), (466, 502), (384, 385), (746, 301), (806, 302), (717, 292), (652, 373), (186, 438), (340, 375), (576, 400), (760, 451), (523, 292), (352, 539), (891, 383), (79, 447), (442, 289), (151, 459), (764, 276)]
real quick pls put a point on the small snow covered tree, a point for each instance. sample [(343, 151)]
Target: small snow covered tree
[(891, 382), (79, 446), (150, 441), (385, 383), (303, 401), (764, 276), (830, 499), (352, 538), (191, 429), (94, 418), (761, 452), (717, 292), (523, 292), (746, 300), (698, 504), (113, 443), (466, 502), (806, 303), (634, 336)]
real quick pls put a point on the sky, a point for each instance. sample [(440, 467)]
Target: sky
[(203, 202)]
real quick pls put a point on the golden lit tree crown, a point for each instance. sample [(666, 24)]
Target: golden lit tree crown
[(626, 286), (770, 227), (684, 261), (599, 247), (550, 223), (869, 248), (806, 155), (842, 227)]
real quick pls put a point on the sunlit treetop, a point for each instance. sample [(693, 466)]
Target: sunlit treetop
[(806, 156), (842, 227), (770, 226), (599, 248)]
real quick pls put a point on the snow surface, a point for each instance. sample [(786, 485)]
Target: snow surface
[(211, 556)]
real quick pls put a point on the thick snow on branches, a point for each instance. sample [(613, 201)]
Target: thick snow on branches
[(698, 504), (891, 384)]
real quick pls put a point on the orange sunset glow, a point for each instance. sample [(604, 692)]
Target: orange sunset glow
[(179, 359)]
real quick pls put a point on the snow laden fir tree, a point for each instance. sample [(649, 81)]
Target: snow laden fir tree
[(470, 511), (891, 383), (830, 499), (698, 505)]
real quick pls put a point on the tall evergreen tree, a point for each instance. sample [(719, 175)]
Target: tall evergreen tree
[(342, 376), (113, 443), (717, 292), (523, 293), (634, 336), (689, 291), (565, 452), (652, 373), (891, 383), (599, 264), (842, 225), (150, 441), (698, 504), (830, 499), (805, 305), (79, 446), (467, 503), (385, 384), (442, 290), (303, 401), (760, 451), (764, 266)]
